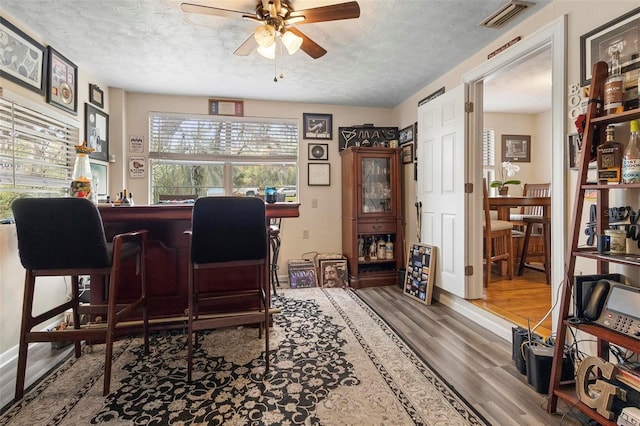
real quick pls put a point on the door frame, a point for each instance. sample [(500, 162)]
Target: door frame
[(553, 36)]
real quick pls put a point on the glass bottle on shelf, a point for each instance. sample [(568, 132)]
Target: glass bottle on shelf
[(631, 158), (609, 159), (389, 247), (373, 249), (382, 250), (360, 248), (613, 91), (81, 185)]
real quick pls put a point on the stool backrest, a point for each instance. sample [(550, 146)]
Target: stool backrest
[(60, 233), (226, 229)]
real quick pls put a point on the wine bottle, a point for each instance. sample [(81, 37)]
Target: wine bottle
[(631, 158), (125, 199), (613, 92), (389, 247)]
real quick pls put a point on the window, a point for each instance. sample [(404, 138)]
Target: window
[(209, 155), (36, 153)]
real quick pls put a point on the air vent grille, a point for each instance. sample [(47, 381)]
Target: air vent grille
[(506, 13)]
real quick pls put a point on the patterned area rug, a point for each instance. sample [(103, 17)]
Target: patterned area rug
[(334, 362)]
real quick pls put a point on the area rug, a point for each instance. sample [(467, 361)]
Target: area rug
[(333, 362)]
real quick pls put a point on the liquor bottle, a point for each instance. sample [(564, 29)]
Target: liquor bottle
[(118, 200), (613, 92), (373, 255), (131, 198), (382, 250), (389, 247), (609, 159), (125, 200), (631, 158)]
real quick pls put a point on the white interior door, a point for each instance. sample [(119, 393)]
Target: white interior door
[(441, 183)]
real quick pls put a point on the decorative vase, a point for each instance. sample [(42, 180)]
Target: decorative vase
[(81, 185), (504, 190)]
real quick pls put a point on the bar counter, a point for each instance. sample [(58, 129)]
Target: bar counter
[(168, 254)]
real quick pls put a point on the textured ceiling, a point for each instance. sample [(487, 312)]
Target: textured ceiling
[(394, 49)]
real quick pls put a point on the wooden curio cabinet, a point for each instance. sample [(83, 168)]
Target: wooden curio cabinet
[(371, 215)]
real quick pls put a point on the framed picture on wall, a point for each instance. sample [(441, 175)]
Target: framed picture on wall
[(99, 174), (516, 148), (317, 126), (62, 78), (28, 60), (407, 153), (96, 132)]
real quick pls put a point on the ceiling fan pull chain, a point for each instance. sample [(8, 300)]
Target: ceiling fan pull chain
[(281, 61)]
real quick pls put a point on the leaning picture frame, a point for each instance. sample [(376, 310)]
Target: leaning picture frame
[(28, 64), (621, 34), (516, 148), (317, 126), (419, 278), (62, 82), (96, 132)]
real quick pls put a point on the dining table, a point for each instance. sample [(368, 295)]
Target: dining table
[(503, 205)]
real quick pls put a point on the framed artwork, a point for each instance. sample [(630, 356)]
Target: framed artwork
[(62, 87), (137, 167), (96, 95), (418, 281), (318, 151), (136, 143), (26, 64), (302, 273), (621, 34), (319, 174), (574, 150), (516, 148), (407, 153), (317, 126), (100, 178), (405, 135), (226, 107), (96, 132), (333, 273)]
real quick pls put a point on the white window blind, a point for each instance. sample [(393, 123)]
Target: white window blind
[(36, 150), (214, 138), (488, 148)]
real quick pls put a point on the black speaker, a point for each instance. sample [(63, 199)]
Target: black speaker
[(539, 360), (519, 336), (582, 290)]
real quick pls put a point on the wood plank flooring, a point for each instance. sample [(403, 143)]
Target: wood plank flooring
[(476, 362)]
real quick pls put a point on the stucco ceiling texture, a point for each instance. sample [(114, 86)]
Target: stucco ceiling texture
[(394, 49)]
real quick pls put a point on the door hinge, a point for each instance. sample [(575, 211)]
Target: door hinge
[(468, 188), (468, 270), (468, 107)]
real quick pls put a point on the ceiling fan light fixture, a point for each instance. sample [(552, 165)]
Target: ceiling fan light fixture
[(265, 35), (291, 41), (268, 52)]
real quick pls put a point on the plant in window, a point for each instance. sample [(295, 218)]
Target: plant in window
[(507, 171)]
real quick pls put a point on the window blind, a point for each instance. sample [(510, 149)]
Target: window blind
[(36, 150), (488, 148), (214, 138)]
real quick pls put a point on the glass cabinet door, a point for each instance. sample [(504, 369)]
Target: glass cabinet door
[(376, 185)]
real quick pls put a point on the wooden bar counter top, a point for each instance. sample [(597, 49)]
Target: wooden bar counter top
[(168, 254)]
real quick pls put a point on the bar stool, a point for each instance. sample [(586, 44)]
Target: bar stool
[(228, 232), (65, 237), (274, 242)]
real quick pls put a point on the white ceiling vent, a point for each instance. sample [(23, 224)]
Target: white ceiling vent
[(506, 13)]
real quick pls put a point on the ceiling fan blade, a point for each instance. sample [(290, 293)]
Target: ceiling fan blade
[(215, 11), (247, 47), (333, 12), (309, 46)]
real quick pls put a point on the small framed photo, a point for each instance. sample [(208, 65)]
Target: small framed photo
[(407, 153), (96, 96), (228, 107), (319, 174), (62, 87), (621, 34), (100, 177), (516, 148), (26, 61), (317, 126), (318, 151), (406, 135), (96, 132)]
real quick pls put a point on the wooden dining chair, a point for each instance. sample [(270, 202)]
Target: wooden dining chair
[(227, 232), (65, 237), (531, 222), (498, 244)]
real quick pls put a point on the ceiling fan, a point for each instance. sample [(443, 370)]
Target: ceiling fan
[(275, 18)]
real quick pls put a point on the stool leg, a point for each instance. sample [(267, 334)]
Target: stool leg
[(25, 327)]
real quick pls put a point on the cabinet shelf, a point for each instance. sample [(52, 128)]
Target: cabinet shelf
[(621, 259), (602, 187), (568, 395), (622, 117), (607, 335), (374, 262)]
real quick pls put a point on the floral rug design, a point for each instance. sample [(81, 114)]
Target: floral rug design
[(333, 361)]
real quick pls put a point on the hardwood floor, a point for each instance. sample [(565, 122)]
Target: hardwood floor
[(476, 362), (523, 300)]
